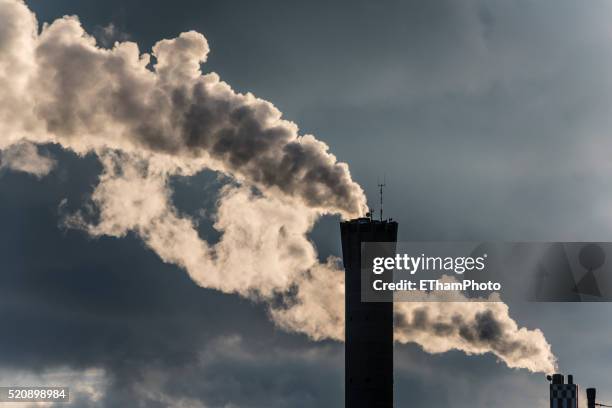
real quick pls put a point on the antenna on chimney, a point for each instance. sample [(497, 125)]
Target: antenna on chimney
[(380, 186)]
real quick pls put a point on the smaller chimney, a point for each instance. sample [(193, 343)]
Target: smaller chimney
[(557, 379), (590, 392), (562, 394)]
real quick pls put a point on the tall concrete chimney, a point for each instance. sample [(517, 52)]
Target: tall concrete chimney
[(368, 355)]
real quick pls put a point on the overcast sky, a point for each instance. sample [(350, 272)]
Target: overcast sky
[(490, 121)]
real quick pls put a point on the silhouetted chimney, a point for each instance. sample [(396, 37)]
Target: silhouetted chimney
[(368, 355), (591, 397), (563, 395)]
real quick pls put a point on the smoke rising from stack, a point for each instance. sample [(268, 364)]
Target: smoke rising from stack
[(86, 98), (474, 328), (149, 117)]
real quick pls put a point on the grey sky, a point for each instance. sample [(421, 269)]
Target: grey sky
[(489, 119)]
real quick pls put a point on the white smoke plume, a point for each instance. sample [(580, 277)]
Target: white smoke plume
[(459, 323), (149, 117)]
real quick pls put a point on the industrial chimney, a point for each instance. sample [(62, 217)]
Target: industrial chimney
[(590, 392), (368, 355), (563, 395)]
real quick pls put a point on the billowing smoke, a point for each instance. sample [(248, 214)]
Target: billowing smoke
[(63, 88), (149, 117), (474, 328)]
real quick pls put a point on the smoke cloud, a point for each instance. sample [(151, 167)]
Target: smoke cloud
[(473, 327), (26, 158), (151, 116)]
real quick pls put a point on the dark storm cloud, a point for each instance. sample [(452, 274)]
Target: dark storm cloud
[(492, 110), (77, 298), (460, 381)]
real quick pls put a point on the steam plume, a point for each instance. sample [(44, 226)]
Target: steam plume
[(474, 328), (148, 117)]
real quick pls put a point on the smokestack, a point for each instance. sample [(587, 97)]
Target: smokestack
[(368, 355), (591, 392), (563, 395)]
